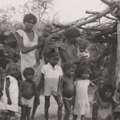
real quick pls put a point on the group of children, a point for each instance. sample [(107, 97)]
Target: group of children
[(68, 86)]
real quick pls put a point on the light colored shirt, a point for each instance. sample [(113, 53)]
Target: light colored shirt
[(50, 72)]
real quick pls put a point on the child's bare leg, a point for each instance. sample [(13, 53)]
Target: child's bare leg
[(94, 111), (47, 105), (83, 117), (23, 112), (74, 117), (67, 106), (28, 113), (37, 56), (60, 105)]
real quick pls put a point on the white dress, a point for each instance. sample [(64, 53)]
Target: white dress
[(82, 106), (29, 59), (14, 93)]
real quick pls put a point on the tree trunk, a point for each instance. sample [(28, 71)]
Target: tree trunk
[(118, 56)]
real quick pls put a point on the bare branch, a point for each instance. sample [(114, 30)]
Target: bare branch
[(91, 12), (107, 2), (110, 17)]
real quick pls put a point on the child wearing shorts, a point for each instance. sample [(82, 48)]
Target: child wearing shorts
[(27, 92), (50, 75)]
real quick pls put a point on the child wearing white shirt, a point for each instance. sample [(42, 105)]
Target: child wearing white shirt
[(50, 75)]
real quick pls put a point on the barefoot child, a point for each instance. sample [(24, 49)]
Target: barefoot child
[(11, 90), (27, 93), (67, 87), (104, 112), (82, 106), (50, 78), (45, 39)]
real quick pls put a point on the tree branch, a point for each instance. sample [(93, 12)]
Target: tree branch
[(107, 2), (91, 12)]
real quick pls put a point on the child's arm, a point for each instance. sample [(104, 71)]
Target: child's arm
[(36, 94), (46, 42), (60, 86), (7, 90), (97, 95), (35, 89), (92, 84), (41, 83), (20, 91)]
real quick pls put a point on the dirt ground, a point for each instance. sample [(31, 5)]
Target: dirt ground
[(53, 108)]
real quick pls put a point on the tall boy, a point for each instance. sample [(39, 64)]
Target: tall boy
[(50, 78)]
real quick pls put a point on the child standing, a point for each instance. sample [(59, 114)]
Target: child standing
[(82, 107), (67, 87), (100, 83), (45, 39), (50, 78), (11, 90), (27, 93)]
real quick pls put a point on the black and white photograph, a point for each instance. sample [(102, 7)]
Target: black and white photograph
[(59, 59)]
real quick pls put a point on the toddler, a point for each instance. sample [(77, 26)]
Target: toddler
[(82, 106), (11, 90), (27, 92), (50, 75), (82, 51), (45, 39), (67, 87)]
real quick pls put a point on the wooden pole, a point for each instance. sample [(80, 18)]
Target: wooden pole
[(118, 55)]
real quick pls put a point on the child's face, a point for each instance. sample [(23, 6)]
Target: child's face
[(101, 83), (54, 60), (46, 31), (29, 76), (70, 72), (108, 94), (85, 76), (13, 70), (82, 48)]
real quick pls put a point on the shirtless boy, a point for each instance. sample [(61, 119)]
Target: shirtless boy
[(27, 93), (67, 87), (45, 39)]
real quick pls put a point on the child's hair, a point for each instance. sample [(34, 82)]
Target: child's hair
[(97, 80), (72, 33), (66, 66), (28, 70), (84, 62), (53, 53), (107, 87), (28, 17), (83, 43), (48, 25), (83, 70), (8, 67)]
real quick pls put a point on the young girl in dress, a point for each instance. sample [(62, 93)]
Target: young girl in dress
[(82, 106), (11, 90)]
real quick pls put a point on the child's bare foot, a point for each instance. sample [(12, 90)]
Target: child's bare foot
[(36, 64)]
